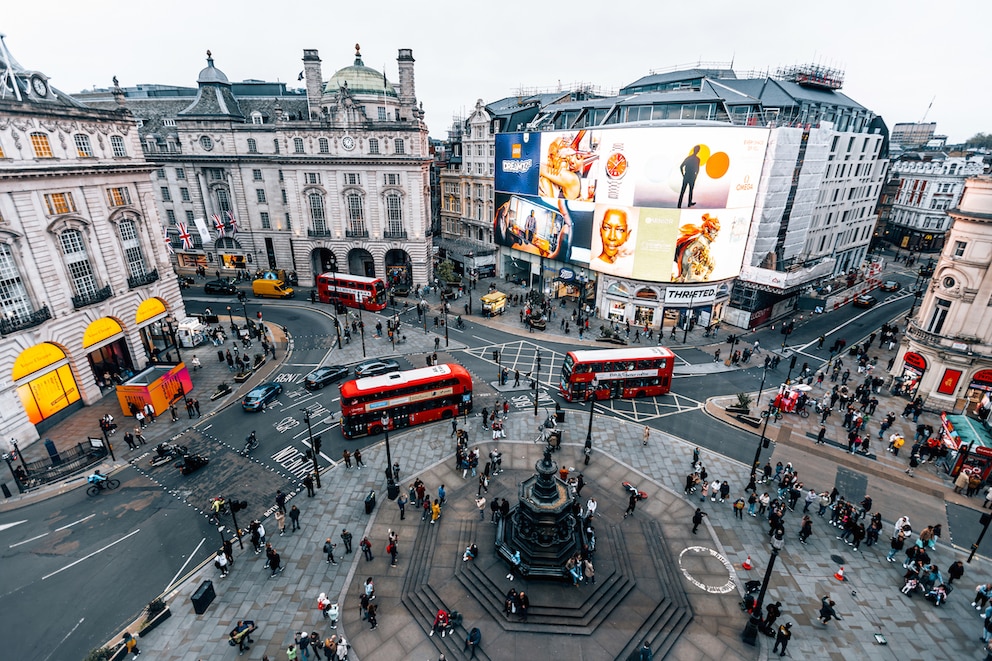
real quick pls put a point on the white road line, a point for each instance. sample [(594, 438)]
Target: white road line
[(69, 525), (183, 568), (87, 557), (482, 339), (4, 526), (29, 540), (301, 364), (64, 638)]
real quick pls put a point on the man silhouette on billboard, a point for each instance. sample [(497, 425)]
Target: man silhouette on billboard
[(689, 170)]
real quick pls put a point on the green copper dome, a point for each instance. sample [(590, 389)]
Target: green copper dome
[(360, 79)]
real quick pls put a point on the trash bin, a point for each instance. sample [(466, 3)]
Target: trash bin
[(370, 502), (220, 355), (203, 596), (559, 416)]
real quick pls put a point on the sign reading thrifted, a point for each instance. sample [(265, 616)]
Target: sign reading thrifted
[(915, 361), (686, 295)]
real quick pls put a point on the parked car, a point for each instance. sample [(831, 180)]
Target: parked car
[(259, 396), (890, 285), (321, 376), (219, 287), (376, 367), (865, 301)]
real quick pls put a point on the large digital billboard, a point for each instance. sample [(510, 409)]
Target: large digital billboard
[(666, 204)]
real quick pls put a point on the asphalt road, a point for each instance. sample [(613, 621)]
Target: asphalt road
[(87, 565)]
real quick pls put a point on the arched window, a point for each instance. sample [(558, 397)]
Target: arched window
[(117, 145), (132, 248), (83, 147), (14, 301), (317, 215), (252, 146), (298, 145), (356, 216), (616, 289), (42, 148), (77, 261)]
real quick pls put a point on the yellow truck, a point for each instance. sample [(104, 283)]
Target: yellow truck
[(493, 303), (263, 288)]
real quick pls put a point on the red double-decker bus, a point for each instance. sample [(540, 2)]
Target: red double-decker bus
[(407, 398), (353, 291), (622, 373)]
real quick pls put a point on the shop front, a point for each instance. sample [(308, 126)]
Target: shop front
[(660, 306), (914, 366), (979, 395), (45, 385), (107, 352), (158, 331), (969, 444)]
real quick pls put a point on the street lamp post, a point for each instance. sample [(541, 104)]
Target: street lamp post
[(314, 446), (444, 306), (392, 490), (537, 380), (592, 405), (422, 306), (750, 633), (230, 318), (361, 328), (762, 442), (688, 317)]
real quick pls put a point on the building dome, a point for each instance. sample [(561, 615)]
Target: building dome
[(359, 79), (211, 74)]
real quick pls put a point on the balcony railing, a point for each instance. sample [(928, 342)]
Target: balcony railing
[(146, 278), (90, 299), (356, 234), (21, 322), (319, 233), (397, 234), (962, 345)]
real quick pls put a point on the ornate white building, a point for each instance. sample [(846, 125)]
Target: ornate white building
[(85, 279), (946, 356), (335, 177)]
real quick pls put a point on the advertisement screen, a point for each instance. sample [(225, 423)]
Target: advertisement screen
[(665, 204)]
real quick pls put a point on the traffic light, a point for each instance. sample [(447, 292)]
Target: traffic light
[(496, 355), (242, 296), (238, 505), (792, 363), (316, 443)]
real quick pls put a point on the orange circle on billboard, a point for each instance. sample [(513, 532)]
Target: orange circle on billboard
[(703, 155), (717, 165)]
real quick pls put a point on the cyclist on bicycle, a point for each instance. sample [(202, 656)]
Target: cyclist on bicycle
[(97, 478), (217, 504)]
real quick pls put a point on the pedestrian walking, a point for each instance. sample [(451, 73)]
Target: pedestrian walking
[(129, 439), (435, 511), (480, 503), (372, 612), (827, 611), (308, 483), (346, 456), (281, 500), (174, 412), (697, 520), (401, 503), (150, 412), (366, 547), (631, 505), (131, 643), (346, 538), (196, 406), (221, 563), (281, 522), (646, 436), (228, 548), (441, 494), (782, 638), (358, 458), (392, 550), (294, 516), (329, 547)]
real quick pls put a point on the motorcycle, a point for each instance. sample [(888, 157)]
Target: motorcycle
[(218, 507), (251, 442), (165, 453), (631, 489), (190, 463)]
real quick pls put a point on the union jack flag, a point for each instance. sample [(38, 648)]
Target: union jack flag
[(233, 221), (168, 243), (218, 225), (185, 236)]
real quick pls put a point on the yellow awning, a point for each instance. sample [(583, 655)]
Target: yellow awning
[(36, 358), (149, 309), (100, 330)]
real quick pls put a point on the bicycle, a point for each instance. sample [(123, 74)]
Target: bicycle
[(251, 442), (106, 485), (776, 413)]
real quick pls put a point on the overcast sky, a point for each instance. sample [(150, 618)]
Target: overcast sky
[(896, 56)]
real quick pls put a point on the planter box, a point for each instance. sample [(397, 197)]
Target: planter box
[(154, 622), (241, 378), (219, 393), (738, 410), (752, 420)]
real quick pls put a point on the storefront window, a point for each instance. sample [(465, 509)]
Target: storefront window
[(617, 311), (644, 315)]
